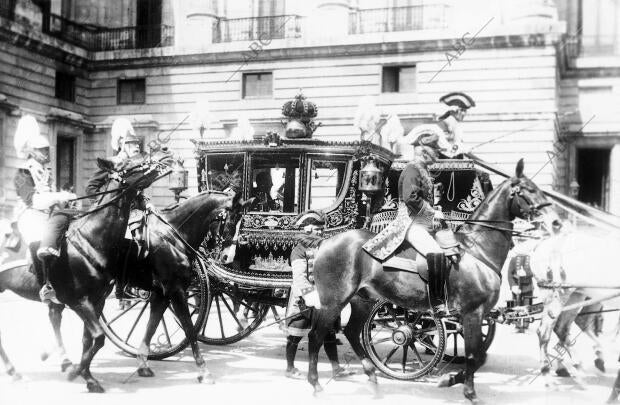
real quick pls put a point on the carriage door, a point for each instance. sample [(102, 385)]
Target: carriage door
[(222, 171), (326, 178), (275, 183)]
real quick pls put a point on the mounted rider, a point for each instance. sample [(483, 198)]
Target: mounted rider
[(34, 185), (127, 146), (416, 217), (299, 309), (451, 143)]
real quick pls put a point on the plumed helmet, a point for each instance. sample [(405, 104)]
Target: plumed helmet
[(424, 135), (310, 217), (367, 115), (122, 131), (28, 136)]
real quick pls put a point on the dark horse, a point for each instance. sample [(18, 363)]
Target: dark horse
[(343, 270), (166, 271), (83, 274)]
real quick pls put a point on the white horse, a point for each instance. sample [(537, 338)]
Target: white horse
[(580, 267)]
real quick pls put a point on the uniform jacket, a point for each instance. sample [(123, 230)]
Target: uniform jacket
[(301, 261)]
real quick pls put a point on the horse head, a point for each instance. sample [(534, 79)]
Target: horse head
[(136, 175), (528, 202), (231, 229)]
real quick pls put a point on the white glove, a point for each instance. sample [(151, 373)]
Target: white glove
[(515, 289), (438, 216)]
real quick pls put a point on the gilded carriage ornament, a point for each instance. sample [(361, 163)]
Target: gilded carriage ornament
[(473, 200), (300, 113)]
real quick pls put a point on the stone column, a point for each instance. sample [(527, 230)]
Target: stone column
[(198, 25), (329, 19), (614, 180)]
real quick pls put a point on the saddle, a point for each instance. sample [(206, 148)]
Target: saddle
[(436, 275)]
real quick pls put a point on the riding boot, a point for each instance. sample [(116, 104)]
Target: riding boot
[(48, 257), (438, 271)]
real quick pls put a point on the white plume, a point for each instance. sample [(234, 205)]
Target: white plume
[(28, 136), (243, 131), (367, 115), (120, 127)]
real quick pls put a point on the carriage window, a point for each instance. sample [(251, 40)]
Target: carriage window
[(326, 179), (223, 171), (275, 183)]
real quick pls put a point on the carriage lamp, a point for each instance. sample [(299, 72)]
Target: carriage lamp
[(370, 183), (177, 179), (371, 178)]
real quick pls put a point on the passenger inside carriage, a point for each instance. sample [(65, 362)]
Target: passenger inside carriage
[(262, 192)]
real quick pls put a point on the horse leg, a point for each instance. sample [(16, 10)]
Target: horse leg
[(179, 303), (615, 390), (55, 316), (321, 323), (552, 308), (158, 307), (566, 343), (10, 369), (93, 339), (360, 311)]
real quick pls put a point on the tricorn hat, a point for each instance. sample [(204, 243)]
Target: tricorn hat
[(458, 99), (310, 217)]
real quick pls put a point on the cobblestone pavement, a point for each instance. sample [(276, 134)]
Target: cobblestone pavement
[(251, 372)]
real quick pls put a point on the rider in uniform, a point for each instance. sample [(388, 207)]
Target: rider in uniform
[(126, 145), (450, 122), (33, 184), (301, 261), (416, 217)]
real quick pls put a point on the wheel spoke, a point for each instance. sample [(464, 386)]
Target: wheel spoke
[(417, 354), (163, 322), (204, 324), (219, 315), (390, 354), (404, 360), (233, 314), (123, 312), (383, 340), (136, 322)]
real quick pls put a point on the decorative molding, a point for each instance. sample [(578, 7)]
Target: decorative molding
[(70, 117)]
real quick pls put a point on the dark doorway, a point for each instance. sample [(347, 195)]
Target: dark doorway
[(65, 163), (148, 23), (593, 176)]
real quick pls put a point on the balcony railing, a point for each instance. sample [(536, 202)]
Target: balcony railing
[(94, 38), (411, 18), (263, 29), (598, 45), (7, 9)]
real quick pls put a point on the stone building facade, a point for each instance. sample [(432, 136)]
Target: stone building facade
[(78, 64)]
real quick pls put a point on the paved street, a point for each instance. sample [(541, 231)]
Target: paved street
[(251, 371)]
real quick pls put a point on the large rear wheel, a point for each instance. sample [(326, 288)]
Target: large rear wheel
[(124, 322), (232, 314), (402, 343)]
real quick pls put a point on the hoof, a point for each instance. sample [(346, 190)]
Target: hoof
[(73, 373), (562, 372), (600, 365), (206, 379), (446, 380), (45, 356), (16, 377), (613, 397), (94, 387), (317, 389), (145, 372), (66, 363)]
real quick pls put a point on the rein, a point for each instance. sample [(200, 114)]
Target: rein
[(487, 224), (176, 234)]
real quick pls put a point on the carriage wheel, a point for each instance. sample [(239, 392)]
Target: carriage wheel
[(124, 322), (402, 343), (231, 316), (455, 347)]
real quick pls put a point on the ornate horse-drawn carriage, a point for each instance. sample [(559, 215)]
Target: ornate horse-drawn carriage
[(287, 177)]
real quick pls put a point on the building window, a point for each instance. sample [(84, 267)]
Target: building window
[(65, 163), (398, 79), (131, 91), (65, 86), (257, 85)]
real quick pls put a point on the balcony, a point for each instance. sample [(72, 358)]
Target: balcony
[(7, 9), (263, 29), (95, 38), (596, 45), (411, 18)]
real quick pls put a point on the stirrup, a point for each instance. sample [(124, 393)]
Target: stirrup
[(47, 294)]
